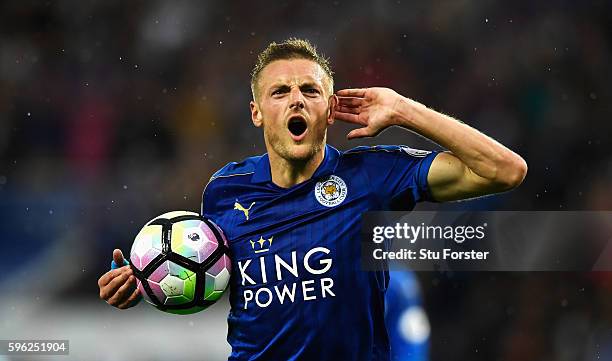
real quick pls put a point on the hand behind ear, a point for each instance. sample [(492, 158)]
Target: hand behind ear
[(373, 109)]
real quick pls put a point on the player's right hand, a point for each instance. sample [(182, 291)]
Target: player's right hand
[(118, 286)]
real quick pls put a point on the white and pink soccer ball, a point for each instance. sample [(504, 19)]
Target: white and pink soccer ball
[(181, 262)]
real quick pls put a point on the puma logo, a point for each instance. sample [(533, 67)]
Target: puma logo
[(239, 207)]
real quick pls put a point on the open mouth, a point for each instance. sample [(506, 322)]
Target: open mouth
[(297, 126)]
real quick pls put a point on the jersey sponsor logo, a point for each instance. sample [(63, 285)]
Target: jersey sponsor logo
[(280, 280), (331, 191), (261, 242), (414, 152), (240, 207)]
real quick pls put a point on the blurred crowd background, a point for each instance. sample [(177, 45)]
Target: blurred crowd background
[(114, 112)]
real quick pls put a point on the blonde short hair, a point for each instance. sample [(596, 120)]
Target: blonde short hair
[(291, 48)]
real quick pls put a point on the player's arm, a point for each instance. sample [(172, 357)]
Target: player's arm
[(476, 164)]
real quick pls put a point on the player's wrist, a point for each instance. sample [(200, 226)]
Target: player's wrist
[(403, 112), (407, 113)]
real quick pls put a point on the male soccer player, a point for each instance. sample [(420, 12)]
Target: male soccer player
[(292, 216)]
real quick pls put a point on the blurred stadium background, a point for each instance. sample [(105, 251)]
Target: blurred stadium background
[(114, 112)]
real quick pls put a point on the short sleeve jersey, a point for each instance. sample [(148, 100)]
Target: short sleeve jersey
[(297, 291)]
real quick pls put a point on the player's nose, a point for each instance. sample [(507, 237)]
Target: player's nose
[(296, 99)]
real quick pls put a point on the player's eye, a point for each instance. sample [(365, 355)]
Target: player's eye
[(279, 91), (311, 91)]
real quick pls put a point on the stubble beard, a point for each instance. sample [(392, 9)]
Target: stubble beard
[(284, 150)]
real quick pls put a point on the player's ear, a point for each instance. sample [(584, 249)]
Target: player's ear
[(331, 112), (256, 117)]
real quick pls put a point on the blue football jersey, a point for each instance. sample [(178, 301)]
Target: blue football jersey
[(297, 291)]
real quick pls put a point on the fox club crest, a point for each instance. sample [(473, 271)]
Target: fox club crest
[(331, 191)]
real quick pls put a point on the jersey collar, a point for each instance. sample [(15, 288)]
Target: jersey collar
[(327, 167)]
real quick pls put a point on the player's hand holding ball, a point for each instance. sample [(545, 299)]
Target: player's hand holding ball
[(118, 286), (179, 263)]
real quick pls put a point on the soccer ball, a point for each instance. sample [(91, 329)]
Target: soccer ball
[(181, 262)]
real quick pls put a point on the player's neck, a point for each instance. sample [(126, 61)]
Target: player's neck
[(287, 173)]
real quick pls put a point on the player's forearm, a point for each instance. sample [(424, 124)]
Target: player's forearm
[(479, 152)]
